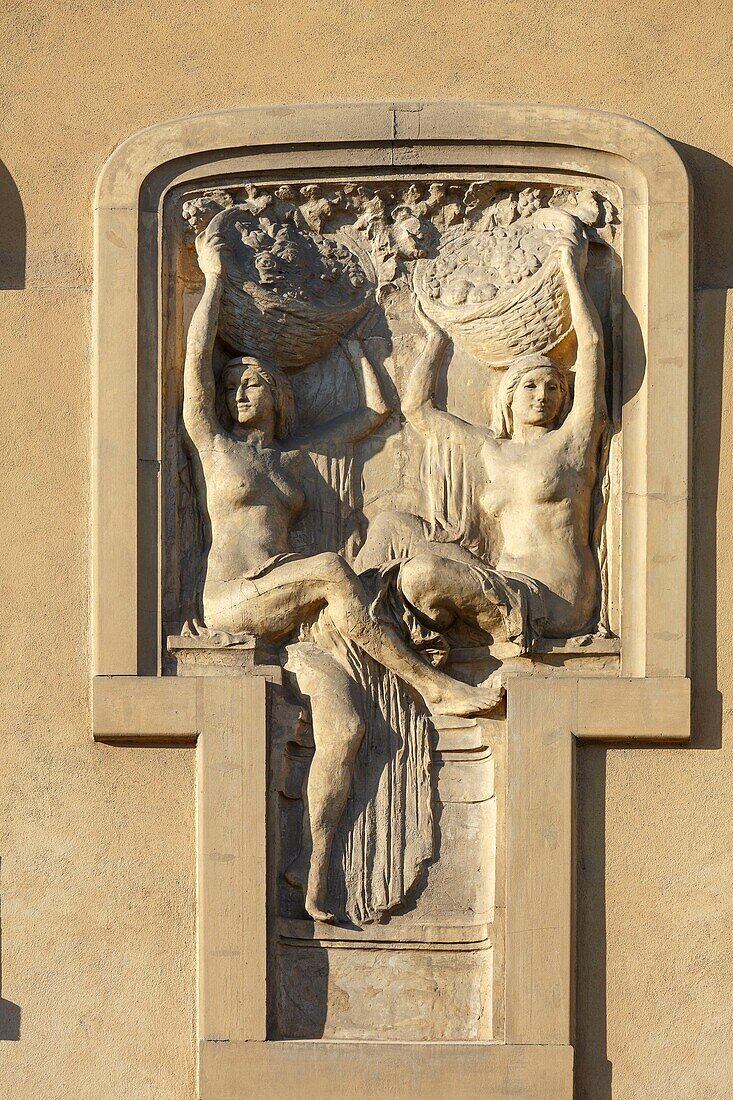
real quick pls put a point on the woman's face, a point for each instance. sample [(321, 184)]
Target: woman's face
[(249, 399), (538, 398)]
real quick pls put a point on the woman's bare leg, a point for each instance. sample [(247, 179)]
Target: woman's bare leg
[(441, 588), (338, 729), (435, 577), (295, 590)]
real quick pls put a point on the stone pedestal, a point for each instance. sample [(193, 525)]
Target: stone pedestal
[(206, 657)]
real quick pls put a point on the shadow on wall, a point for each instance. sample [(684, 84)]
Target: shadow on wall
[(713, 219), (12, 277), (712, 183), (12, 234), (707, 701), (9, 1012), (593, 1071), (9, 1021), (712, 180)]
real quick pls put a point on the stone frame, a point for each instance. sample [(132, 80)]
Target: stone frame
[(227, 719), (133, 703), (656, 335)]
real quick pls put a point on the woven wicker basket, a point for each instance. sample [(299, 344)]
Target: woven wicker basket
[(531, 319), (257, 320)]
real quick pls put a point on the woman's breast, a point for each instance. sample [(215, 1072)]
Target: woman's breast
[(538, 507), (549, 541), (259, 481), (281, 495)]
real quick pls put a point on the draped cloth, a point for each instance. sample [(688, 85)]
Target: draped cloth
[(385, 838), (449, 480), (386, 834)]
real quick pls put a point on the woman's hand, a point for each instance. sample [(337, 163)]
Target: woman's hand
[(428, 325), (571, 253), (210, 252)]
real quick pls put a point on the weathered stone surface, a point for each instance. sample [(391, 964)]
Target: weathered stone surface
[(382, 993)]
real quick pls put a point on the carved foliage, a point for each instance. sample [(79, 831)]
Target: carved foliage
[(304, 262)]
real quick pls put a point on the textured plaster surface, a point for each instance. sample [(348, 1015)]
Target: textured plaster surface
[(97, 844)]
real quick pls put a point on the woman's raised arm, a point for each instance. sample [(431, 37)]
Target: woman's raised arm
[(418, 403), (358, 423), (199, 388), (588, 412)]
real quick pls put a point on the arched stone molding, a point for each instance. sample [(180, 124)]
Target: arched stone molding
[(656, 343)]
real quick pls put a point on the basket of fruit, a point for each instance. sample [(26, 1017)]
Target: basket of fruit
[(499, 294), (289, 293)]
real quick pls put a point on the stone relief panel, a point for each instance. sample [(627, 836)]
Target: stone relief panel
[(390, 424)]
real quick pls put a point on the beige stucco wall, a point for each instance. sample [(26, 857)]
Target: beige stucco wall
[(97, 843)]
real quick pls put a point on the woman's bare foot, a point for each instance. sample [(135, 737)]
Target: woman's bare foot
[(465, 701), (297, 875), (313, 909)]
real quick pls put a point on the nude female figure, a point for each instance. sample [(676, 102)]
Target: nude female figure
[(254, 584), (538, 468)]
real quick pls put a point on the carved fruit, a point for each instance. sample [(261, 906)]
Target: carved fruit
[(289, 293), (500, 293)]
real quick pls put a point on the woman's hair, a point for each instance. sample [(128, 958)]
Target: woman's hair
[(278, 382), (503, 421)]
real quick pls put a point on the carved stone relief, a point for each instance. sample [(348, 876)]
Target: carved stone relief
[(391, 410)]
